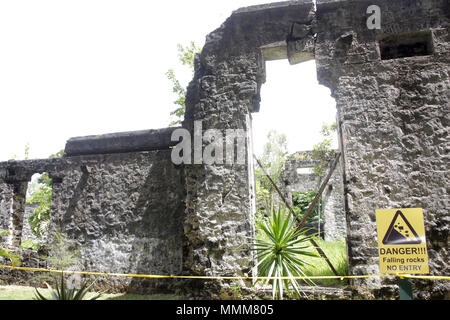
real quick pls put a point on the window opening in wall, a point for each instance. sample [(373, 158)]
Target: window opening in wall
[(37, 210), (293, 110), (406, 45)]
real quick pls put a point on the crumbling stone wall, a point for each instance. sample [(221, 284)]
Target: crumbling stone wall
[(332, 197), (123, 210), (392, 118), (134, 211), (225, 90)]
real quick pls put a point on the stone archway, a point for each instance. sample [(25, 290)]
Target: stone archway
[(379, 108)]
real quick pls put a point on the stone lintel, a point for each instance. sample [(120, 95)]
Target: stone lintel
[(131, 141)]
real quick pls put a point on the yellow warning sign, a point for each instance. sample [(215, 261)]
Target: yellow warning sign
[(401, 241)]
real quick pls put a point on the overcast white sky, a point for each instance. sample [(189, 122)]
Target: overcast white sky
[(75, 68)]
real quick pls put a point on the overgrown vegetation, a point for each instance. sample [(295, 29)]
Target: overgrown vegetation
[(336, 251), (307, 261), (40, 217), (7, 253), (41, 192), (272, 229), (63, 292), (301, 202), (281, 251), (28, 293)]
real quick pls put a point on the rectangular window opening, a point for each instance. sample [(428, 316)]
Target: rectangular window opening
[(406, 45)]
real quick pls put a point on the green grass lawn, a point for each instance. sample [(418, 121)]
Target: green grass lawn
[(336, 251), (27, 293)]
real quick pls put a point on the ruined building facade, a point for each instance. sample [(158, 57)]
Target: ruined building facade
[(133, 210)]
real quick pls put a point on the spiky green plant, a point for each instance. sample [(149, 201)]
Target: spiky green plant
[(62, 292), (281, 250)]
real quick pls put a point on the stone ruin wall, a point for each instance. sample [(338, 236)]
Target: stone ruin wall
[(392, 117), (124, 210), (393, 120)]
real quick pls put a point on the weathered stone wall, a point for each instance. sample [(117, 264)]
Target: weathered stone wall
[(6, 192), (393, 117), (127, 212), (332, 197), (123, 210), (29, 258), (225, 89)]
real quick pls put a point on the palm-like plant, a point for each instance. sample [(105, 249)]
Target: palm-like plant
[(280, 252), (62, 292)]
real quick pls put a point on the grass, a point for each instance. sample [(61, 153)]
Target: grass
[(27, 293), (336, 252)]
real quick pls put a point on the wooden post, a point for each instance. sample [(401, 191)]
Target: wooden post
[(319, 193)]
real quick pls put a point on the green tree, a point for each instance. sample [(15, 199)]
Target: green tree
[(61, 153), (301, 202), (186, 55), (40, 217), (42, 193), (322, 150)]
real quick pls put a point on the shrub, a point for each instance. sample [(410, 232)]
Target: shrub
[(63, 292), (281, 250)]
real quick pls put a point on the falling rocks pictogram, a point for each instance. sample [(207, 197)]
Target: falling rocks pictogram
[(400, 232)]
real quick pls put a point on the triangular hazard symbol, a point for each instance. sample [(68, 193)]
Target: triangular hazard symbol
[(400, 232)]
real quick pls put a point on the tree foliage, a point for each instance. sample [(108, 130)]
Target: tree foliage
[(186, 55), (61, 253), (40, 217), (322, 150), (41, 193), (301, 202)]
